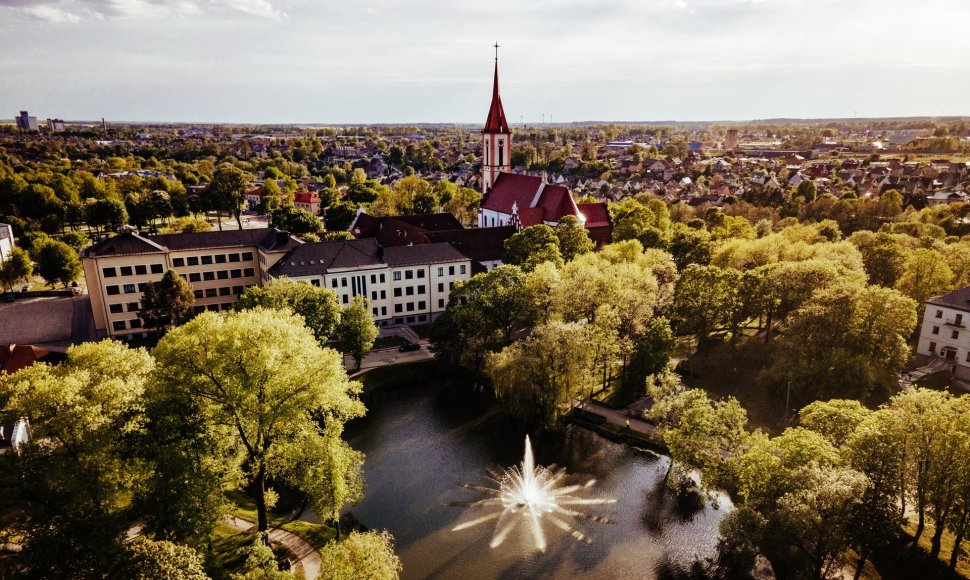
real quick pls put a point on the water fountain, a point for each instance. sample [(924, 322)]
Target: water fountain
[(532, 494)]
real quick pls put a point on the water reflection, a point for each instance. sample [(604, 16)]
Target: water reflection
[(421, 443)]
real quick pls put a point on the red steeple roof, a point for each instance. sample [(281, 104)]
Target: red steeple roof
[(496, 123)]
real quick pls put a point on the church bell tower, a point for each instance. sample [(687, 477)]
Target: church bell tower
[(496, 139)]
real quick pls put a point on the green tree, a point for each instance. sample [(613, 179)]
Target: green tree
[(77, 240), (295, 220), (572, 237), (16, 269), (356, 331), (150, 560), (317, 306), (464, 204), (262, 375), (58, 263), (362, 555), (167, 301), (107, 214), (532, 246), (261, 564), (705, 299), (227, 191), (925, 275)]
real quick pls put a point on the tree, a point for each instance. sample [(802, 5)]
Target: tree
[(295, 220), (16, 269), (262, 375), (361, 555), (464, 204), (573, 238), (58, 263), (532, 246), (77, 240), (356, 331), (75, 480), (538, 379), (150, 560), (108, 214), (227, 191), (167, 301), (317, 306), (925, 275), (705, 299), (806, 190), (261, 563)]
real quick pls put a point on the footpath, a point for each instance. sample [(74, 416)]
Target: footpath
[(306, 556)]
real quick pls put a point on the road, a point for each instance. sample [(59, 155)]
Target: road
[(389, 356), (300, 548), (620, 417)]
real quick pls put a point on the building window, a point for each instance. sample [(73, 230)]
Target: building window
[(936, 330), (237, 290), (958, 320), (142, 286), (441, 286), (409, 290), (333, 282), (222, 274), (420, 273), (236, 273), (451, 270), (126, 270), (343, 282), (210, 292), (129, 288), (383, 310), (410, 307), (422, 305), (206, 260), (955, 334), (315, 282), (208, 276), (968, 356), (397, 276), (247, 256), (220, 258), (197, 293), (132, 307), (193, 260), (421, 289), (397, 292), (939, 314), (212, 308), (373, 278), (233, 257), (225, 291), (933, 347), (136, 323), (118, 325), (422, 318), (441, 271), (383, 294), (410, 319), (382, 278), (373, 295), (397, 309), (178, 262), (195, 277), (409, 274), (346, 299), (115, 309), (157, 268), (375, 311), (441, 303), (249, 271), (461, 269), (109, 272)]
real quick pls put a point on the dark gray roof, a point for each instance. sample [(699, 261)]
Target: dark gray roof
[(318, 257), (422, 254), (269, 239), (959, 299), (480, 244)]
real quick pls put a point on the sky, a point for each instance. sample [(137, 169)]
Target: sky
[(414, 61)]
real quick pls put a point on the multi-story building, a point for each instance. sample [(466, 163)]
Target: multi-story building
[(944, 333), (25, 122), (403, 284), (218, 265)]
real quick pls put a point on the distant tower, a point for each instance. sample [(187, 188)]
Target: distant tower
[(496, 138), (731, 140)]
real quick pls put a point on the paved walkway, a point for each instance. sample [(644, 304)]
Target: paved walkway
[(620, 417), (389, 356), (304, 552)]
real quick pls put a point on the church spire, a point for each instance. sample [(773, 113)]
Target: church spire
[(495, 122)]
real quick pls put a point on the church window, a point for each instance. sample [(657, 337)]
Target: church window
[(501, 153)]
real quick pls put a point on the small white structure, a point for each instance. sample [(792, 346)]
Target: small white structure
[(944, 333), (13, 435), (7, 243)]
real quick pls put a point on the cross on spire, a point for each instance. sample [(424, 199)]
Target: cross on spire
[(496, 51)]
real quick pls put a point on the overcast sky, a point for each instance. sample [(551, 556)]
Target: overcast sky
[(375, 61)]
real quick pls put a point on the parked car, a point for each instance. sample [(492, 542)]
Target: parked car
[(409, 346)]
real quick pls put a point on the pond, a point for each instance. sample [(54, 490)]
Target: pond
[(422, 442)]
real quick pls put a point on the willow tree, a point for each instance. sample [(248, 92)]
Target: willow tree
[(261, 377)]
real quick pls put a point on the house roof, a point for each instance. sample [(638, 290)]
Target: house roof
[(318, 257), (269, 239), (959, 299), (14, 357), (422, 254), (596, 214), (480, 244), (509, 189), (495, 122)]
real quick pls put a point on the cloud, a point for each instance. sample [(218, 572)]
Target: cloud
[(50, 13), (73, 11), (262, 8)]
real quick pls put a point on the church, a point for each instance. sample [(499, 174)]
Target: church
[(511, 199)]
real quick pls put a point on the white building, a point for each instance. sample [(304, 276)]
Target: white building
[(403, 284), (7, 243), (944, 333)]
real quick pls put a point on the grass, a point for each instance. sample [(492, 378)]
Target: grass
[(946, 546), (229, 549), (317, 535)]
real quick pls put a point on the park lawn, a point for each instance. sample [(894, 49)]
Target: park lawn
[(228, 552), (946, 546), (317, 535)]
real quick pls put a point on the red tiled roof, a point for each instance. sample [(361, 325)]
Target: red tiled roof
[(495, 122), (556, 202), (18, 356), (305, 197), (530, 216), (511, 188), (596, 214)]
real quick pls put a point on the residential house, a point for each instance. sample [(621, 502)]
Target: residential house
[(944, 333)]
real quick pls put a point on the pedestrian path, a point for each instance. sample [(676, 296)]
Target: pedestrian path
[(300, 548)]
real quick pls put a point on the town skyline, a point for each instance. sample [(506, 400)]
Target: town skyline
[(292, 62)]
